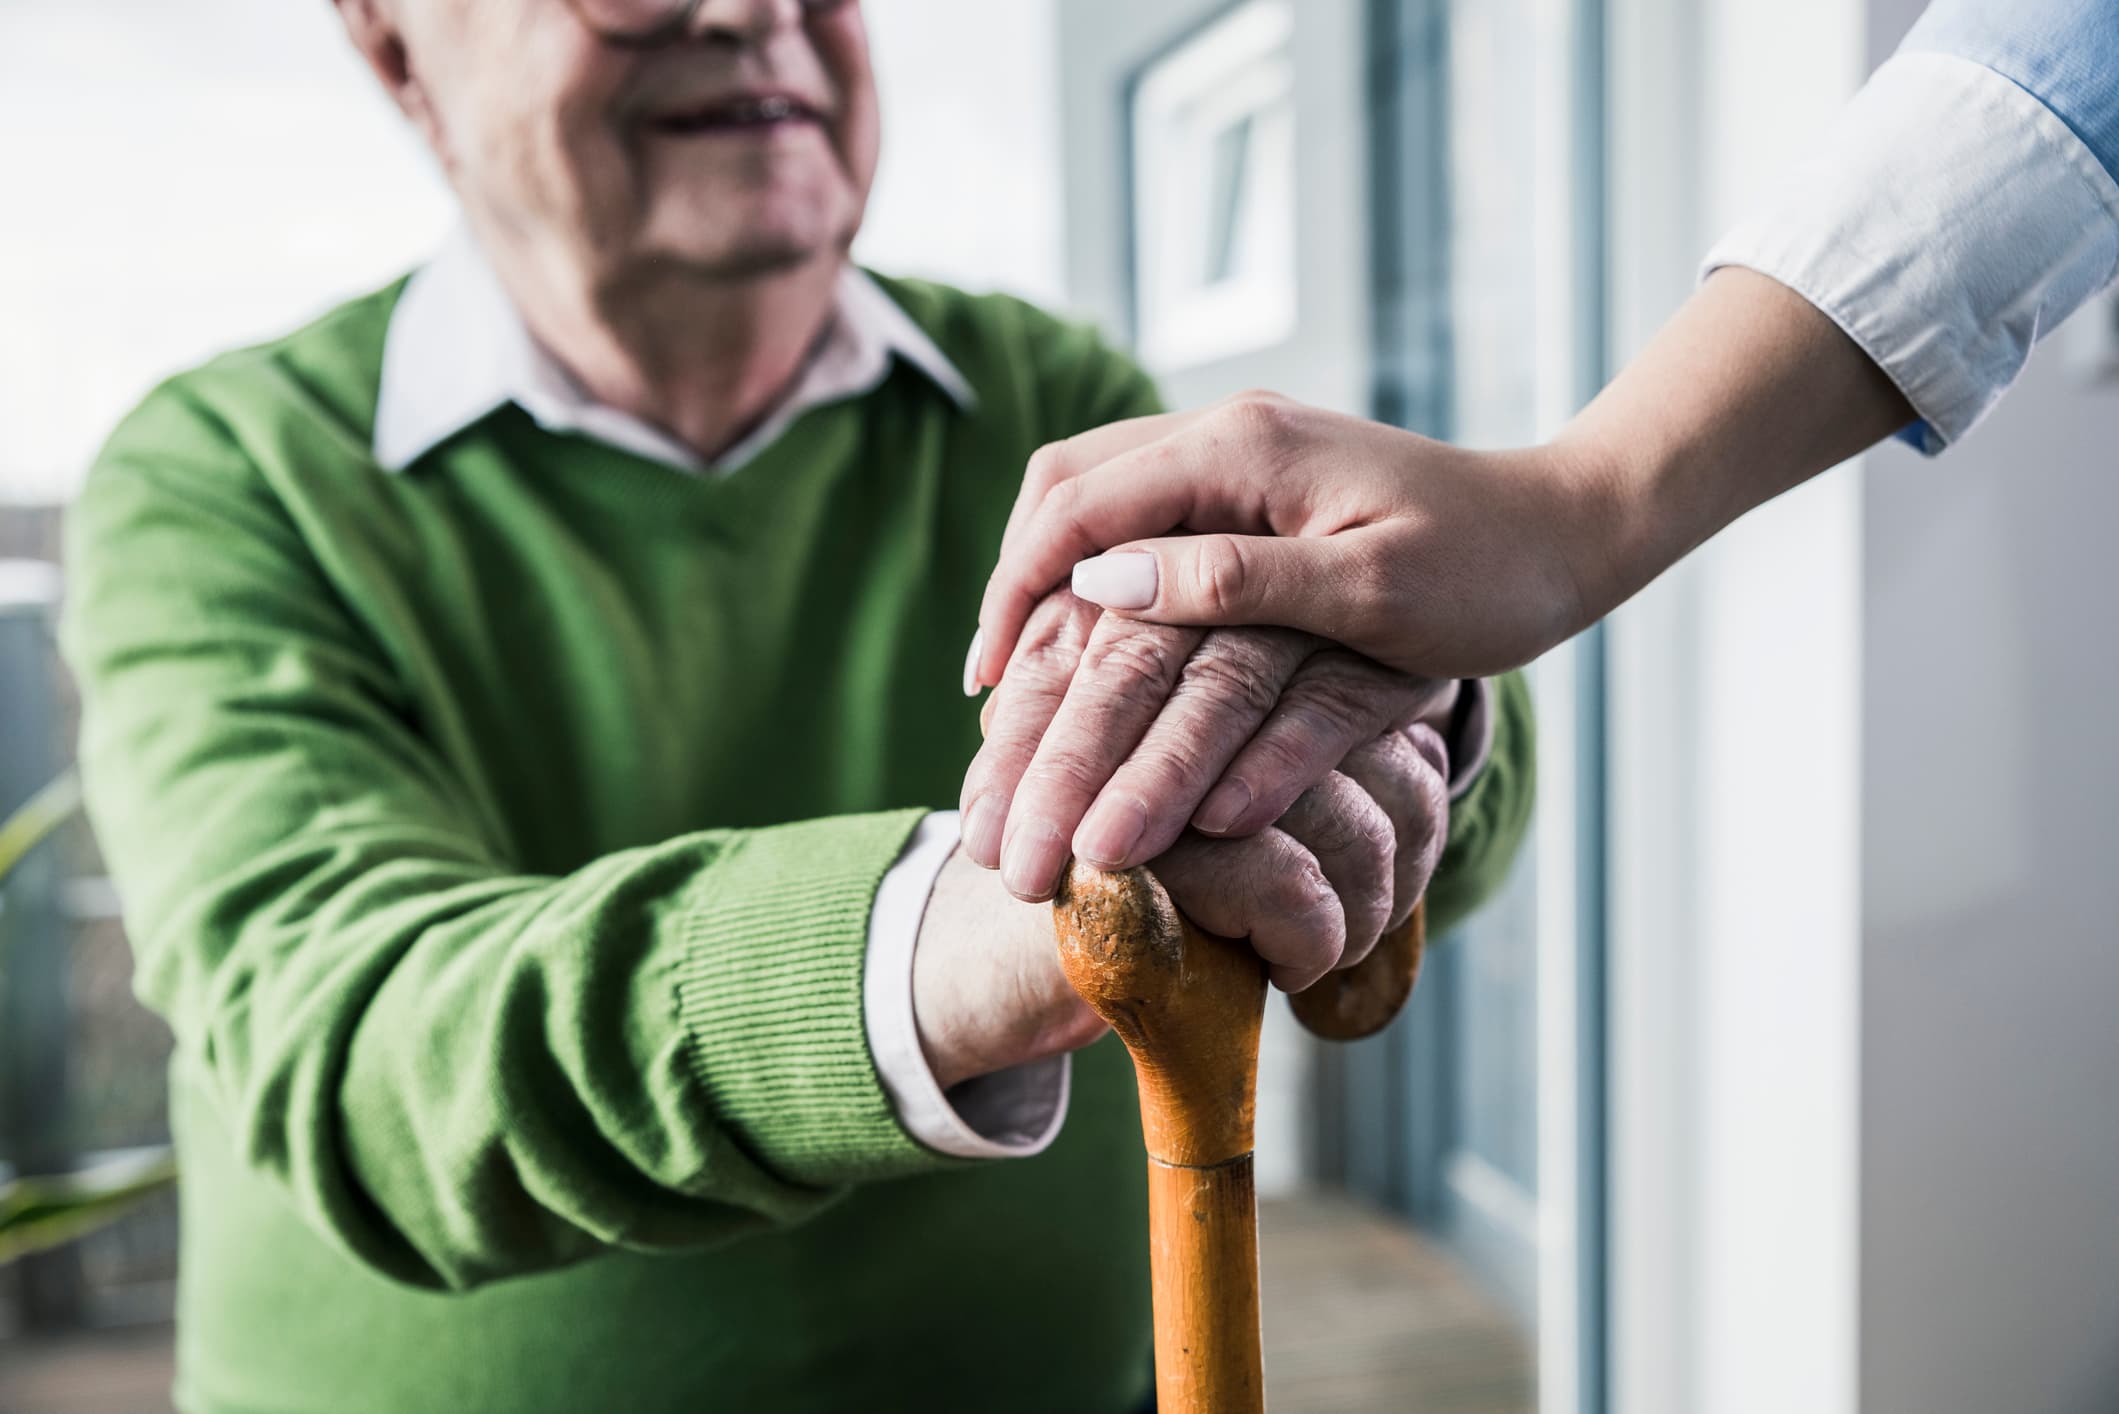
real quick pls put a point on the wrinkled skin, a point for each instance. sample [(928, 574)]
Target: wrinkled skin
[(1344, 801)]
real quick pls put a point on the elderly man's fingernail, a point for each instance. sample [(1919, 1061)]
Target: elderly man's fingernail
[(1110, 832), (971, 664), (1221, 808), (982, 830), (1122, 581), (1031, 862)]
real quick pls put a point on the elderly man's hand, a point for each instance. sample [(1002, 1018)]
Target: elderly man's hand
[(1310, 893), (1108, 736)]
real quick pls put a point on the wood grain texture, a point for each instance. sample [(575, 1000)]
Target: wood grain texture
[(1187, 1004), (1361, 1000), (1188, 1007), (1203, 1244)]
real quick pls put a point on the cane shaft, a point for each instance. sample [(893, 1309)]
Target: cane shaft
[(1203, 1245), (1188, 1006)]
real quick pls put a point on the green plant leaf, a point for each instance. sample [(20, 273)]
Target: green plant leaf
[(40, 1213), (36, 820), (37, 1214)]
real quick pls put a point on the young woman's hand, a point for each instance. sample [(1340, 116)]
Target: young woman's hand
[(1438, 561)]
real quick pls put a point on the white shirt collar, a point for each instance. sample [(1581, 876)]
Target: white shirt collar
[(457, 350)]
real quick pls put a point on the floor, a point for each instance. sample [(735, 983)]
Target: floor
[(106, 1372), (1360, 1315)]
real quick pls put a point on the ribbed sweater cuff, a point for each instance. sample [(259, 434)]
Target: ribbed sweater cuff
[(769, 993)]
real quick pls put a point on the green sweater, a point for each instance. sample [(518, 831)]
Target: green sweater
[(499, 840)]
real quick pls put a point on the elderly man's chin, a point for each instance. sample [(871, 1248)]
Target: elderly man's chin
[(734, 229)]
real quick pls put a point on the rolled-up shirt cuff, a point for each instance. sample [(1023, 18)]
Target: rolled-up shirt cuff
[(1946, 222), (1010, 1114)]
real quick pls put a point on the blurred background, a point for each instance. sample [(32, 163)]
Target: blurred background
[(1781, 1077)]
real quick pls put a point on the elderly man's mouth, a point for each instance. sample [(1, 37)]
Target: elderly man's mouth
[(756, 114)]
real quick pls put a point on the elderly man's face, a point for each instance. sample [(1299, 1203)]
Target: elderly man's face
[(744, 146)]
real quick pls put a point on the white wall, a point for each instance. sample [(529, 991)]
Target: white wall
[(1990, 920), (1990, 777), (185, 178)]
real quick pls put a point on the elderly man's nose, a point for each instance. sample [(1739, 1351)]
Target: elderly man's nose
[(745, 19)]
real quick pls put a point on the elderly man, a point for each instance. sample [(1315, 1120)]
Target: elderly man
[(514, 708)]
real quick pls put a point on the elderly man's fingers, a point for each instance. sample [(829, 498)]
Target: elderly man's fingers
[(1125, 675), (1335, 703), (1409, 782), (1225, 690), (1015, 717), (1266, 888), (1353, 842)]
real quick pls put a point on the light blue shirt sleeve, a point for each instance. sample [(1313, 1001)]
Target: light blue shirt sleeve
[(1964, 204), (2064, 53)]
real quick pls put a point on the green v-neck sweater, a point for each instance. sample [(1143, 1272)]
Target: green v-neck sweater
[(499, 838)]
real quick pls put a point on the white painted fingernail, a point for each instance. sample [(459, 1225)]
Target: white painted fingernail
[(1121, 581), (971, 664)]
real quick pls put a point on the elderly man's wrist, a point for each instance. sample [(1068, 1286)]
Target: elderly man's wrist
[(988, 993)]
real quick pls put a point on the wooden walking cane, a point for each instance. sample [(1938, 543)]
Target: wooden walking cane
[(1188, 1005)]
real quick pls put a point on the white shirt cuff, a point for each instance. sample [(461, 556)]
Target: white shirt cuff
[(1946, 222), (1010, 1114)]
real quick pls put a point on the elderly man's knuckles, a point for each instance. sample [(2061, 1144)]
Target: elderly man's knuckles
[(1243, 668), (1339, 820), (1054, 637), (1355, 841), (1267, 888), (1411, 787), (1126, 657)]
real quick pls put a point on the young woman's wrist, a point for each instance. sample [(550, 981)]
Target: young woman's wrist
[(1609, 523)]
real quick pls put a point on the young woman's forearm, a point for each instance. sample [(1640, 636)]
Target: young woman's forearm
[(1430, 558), (1749, 391)]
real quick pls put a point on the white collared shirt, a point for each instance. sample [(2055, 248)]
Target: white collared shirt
[(457, 350)]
